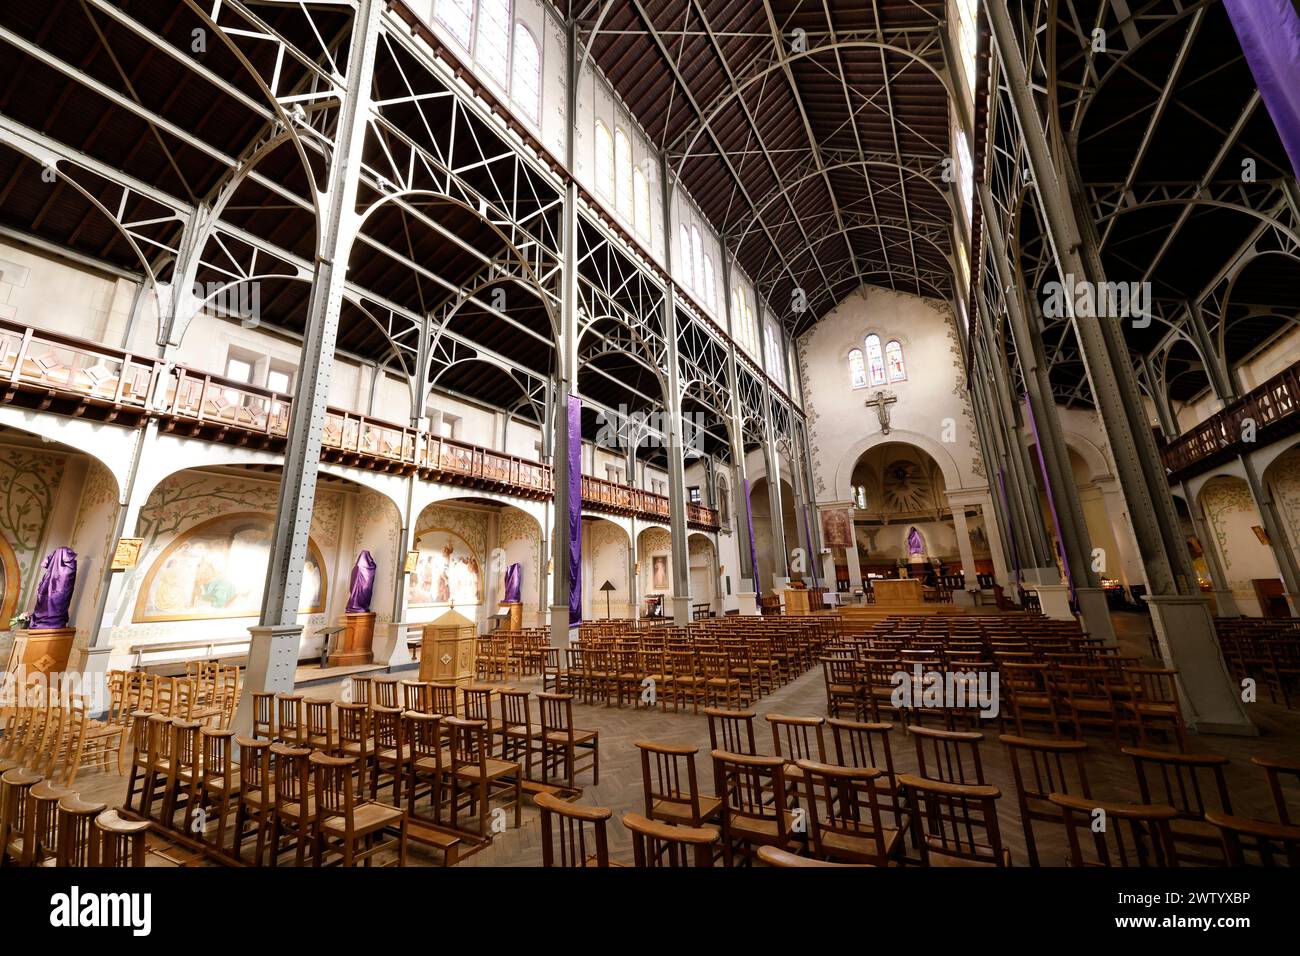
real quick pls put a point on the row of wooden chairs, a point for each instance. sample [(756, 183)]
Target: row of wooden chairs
[(184, 778), (45, 824), (52, 734)]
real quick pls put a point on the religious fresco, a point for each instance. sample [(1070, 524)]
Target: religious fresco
[(448, 571), (217, 569), (837, 528), (9, 581)]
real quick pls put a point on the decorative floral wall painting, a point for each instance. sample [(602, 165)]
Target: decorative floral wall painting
[(218, 569), (448, 572)]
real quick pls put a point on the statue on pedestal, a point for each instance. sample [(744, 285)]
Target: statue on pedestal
[(54, 592), (362, 584)]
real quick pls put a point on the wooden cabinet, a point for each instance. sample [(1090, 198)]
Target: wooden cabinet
[(447, 649)]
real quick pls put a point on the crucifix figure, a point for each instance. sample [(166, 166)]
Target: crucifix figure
[(881, 403)]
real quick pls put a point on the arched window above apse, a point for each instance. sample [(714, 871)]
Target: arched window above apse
[(857, 369), (894, 366), (875, 361)]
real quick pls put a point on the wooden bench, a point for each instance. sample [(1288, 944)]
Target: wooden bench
[(226, 649)]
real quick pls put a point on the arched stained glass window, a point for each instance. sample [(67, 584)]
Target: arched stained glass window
[(857, 369), (492, 44), (894, 362), (623, 173), (458, 17), (875, 361), (604, 160), (526, 79), (641, 196)]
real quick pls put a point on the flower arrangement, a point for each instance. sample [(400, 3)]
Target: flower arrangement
[(20, 621)]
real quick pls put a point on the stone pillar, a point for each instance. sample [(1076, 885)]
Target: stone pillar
[(967, 554)]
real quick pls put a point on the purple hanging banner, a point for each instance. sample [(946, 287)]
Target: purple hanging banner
[(753, 551), (1051, 498), (514, 584), (812, 558), (575, 511), (1269, 33)]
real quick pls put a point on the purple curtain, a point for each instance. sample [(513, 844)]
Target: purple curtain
[(361, 587), (753, 551), (914, 545), (1269, 32), (514, 584), (1051, 498), (575, 511), (812, 556), (54, 590)]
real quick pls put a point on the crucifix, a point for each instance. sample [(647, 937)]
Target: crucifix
[(881, 403)]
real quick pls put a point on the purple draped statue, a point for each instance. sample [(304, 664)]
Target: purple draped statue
[(54, 592), (362, 585), (514, 584), (914, 545)]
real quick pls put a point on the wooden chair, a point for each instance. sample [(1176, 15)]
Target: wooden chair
[(183, 770), (731, 730), (294, 803), (118, 842), (428, 763), (263, 715), (954, 824), (844, 819), (656, 844), (443, 699), (1147, 843), (15, 785), (669, 785), (157, 765), (1028, 691), (686, 679), (76, 823), (1192, 784), (1089, 698), (518, 735), (256, 795), (389, 758), (864, 744), (1256, 842), (218, 781), (355, 738), (478, 775), (361, 688), (561, 742), (795, 739), (40, 839), (756, 804), (348, 827), (1152, 701), (573, 836), (844, 687), (954, 755), (721, 687), (1276, 770), (1043, 766)]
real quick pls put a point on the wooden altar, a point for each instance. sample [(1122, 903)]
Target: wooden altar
[(796, 601), (447, 649), (358, 639), (893, 592)]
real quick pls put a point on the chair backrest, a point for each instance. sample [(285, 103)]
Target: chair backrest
[(956, 821), (468, 743), (668, 782), (731, 730), (656, 844), (443, 699), (361, 688), (951, 756), (862, 744), (119, 843), (754, 792), (1132, 834), (478, 704), (254, 764), (290, 724), (1256, 842), (557, 713), (292, 784), (423, 734), (1042, 766), (798, 738), (386, 722), (1283, 784), (385, 692), (76, 846), (843, 813), (354, 726), (515, 711), (320, 722), (573, 836), (334, 791), (1191, 783), (216, 751), (417, 696), (263, 715)]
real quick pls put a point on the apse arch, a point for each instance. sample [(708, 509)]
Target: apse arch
[(936, 450)]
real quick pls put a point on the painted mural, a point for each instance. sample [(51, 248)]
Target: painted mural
[(217, 569), (448, 572)]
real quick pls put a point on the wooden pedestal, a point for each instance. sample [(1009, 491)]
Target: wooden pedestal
[(515, 622), (796, 601), (43, 650), (447, 650), (357, 643)]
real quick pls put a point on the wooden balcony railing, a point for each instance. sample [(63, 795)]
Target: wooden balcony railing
[(84, 375), (1268, 412)]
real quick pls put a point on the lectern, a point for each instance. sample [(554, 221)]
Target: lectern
[(447, 649)]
